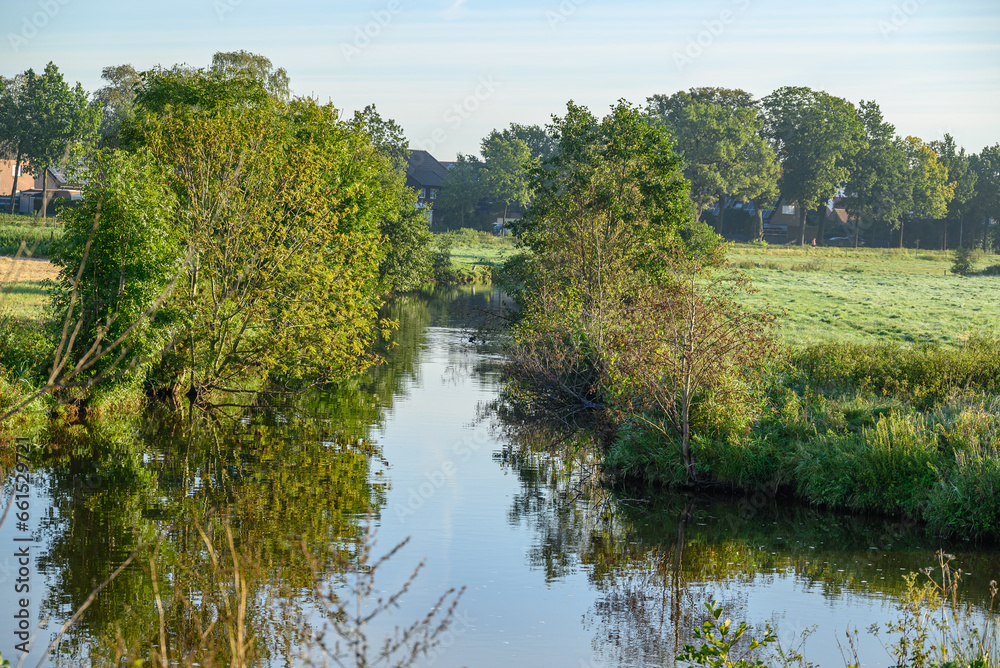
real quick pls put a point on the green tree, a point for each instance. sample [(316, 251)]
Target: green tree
[(879, 187), (58, 120), (607, 206), (280, 205), (114, 100), (461, 191), (540, 142), (13, 126), (229, 64), (817, 136), (505, 174), (961, 173), (717, 132), (931, 189), (986, 202), (407, 261), (118, 258)]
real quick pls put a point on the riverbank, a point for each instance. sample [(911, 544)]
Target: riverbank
[(883, 429)]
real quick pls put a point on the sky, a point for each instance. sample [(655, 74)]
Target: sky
[(449, 71)]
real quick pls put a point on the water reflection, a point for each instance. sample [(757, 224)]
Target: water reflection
[(656, 557)]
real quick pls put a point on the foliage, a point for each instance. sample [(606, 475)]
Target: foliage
[(720, 639), (229, 64), (817, 136), (461, 192), (114, 100), (505, 172), (120, 254), (963, 261), (689, 343), (717, 131), (879, 186)]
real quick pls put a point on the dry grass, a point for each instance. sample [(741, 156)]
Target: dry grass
[(22, 287), (26, 270)]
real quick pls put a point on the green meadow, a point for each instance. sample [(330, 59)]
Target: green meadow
[(868, 295)]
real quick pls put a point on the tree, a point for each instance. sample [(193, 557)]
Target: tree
[(58, 120), (119, 256), (688, 341), (717, 132), (230, 64), (407, 262), (817, 136), (759, 182), (13, 126), (538, 140), (879, 186), (505, 174), (931, 189), (986, 202), (607, 206), (961, 173), (461, 191), (114, 100), (280, 206)]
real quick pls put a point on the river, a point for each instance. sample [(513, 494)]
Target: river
[(556, 571)]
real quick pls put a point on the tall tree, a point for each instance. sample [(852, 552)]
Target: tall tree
[(257, 67), (407, 262), (879, 188), (986, 202), (60, 120), (505, 174), (817, 136), (932, 191), (460, 191), (961, 173), (539, 141), (114, 99), (13, 126), (716, 131)]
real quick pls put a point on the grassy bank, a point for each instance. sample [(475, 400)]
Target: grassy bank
[(472, 255), (868, 428)]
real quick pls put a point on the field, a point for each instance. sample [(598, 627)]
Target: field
[(865, 295), (839, 294)]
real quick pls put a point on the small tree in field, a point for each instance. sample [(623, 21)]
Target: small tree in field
[(690, 340), (962, 263)]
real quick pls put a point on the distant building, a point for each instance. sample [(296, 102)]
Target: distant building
[(425, 174), (27, 180)]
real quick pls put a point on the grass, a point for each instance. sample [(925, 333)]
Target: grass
[(869, 295), (473, 247), (37, 234), (22, 287)]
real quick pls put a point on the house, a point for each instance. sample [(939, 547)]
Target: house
[(425, 174), (26, 180)]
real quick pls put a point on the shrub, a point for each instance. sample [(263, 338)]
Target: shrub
[(962, 263)]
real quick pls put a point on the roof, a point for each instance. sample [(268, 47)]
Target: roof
[(424, 171)]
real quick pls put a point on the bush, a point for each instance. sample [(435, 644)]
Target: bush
[(962, 263)]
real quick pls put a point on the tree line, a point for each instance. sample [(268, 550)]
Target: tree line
[(801, 145), (228, 231)]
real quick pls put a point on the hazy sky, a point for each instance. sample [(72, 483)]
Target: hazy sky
[(449, 71)]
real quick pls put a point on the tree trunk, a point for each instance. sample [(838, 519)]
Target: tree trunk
[(802, 224), (760, 221), (722, 213), (17, 173), (986, 230), (45, 190), (961, 224), (857, 230), (944, 235), (821, 225), (902, 222)]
